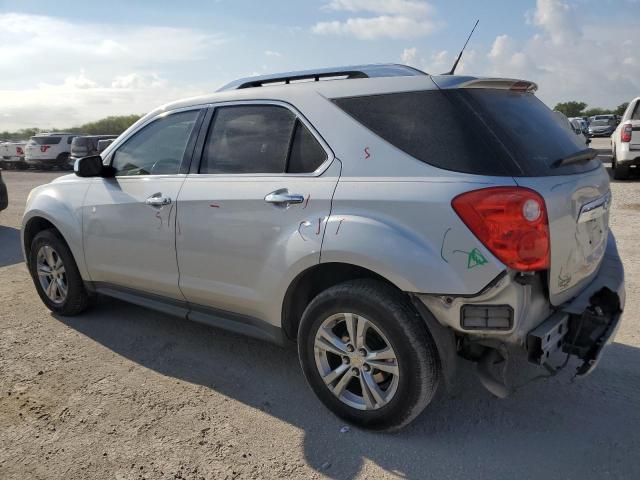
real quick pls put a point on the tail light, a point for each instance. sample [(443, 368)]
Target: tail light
[(511, 222), (625, 133)]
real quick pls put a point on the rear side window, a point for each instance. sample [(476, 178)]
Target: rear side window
[(306, 153), (46, 140), (248, 139), (636, 112), (479, 131)]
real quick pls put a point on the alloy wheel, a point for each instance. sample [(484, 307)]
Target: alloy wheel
[(356, 361), (52, 274)]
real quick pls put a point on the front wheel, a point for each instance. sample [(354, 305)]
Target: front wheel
[(367, 354), (55, 274)]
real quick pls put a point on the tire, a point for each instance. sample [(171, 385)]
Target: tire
[(619, 172), (392, 319), (76, 299)]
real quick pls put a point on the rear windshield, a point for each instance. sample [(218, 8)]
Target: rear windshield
[(480, 131), (82, 142), (601, 123), (46, 140)]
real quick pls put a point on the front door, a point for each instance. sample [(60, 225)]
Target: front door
[(129, 220), (255, 211)]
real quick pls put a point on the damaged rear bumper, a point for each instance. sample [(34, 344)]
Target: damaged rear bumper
[(585, 325)]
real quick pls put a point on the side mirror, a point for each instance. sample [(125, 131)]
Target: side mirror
[(92, 167)]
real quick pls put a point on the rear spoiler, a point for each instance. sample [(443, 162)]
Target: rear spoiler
[(495, 83)]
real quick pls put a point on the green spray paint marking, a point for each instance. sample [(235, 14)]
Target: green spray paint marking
[(474, 258)]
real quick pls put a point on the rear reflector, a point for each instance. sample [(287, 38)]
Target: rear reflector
[(625, 133), (486, 317), (511, 222)]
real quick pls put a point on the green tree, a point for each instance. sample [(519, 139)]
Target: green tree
[(619, 110), (596, 111), (113, 125), (22, 134), (571, 109)]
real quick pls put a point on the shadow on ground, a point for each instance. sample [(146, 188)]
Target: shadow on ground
[(586, 429), (10, 251)]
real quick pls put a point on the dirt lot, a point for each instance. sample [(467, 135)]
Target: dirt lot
[(125, 393)]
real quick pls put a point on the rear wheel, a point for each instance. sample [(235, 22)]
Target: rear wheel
[(367, 355), (619, 172), (55, 274)]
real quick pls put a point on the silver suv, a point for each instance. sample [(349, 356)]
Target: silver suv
[(388, 221)]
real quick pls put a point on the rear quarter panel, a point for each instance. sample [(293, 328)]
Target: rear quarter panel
[(408, 232)]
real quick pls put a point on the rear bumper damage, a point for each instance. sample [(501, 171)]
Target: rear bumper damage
[(585, 325)]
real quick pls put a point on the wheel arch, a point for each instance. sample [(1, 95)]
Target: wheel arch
[(318, 278), (310, 282), (38, 221)]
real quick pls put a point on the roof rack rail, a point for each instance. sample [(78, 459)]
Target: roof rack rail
[(357, 71)]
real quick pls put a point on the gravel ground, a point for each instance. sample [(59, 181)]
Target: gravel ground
[(125, 393)]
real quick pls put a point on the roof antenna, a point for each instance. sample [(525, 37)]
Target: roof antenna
[(455, 65)]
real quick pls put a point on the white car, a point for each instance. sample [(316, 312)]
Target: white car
[(625, 142), (48, 150), (12, 154)]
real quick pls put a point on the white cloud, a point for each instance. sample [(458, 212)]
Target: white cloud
[(502, 46), (567, 57), (376, 27), (64, 73), (393, 19), (557, 19), (272, 53), (409, 56), (138, 81), (395, 7)]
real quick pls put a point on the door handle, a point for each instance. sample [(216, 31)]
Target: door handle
[(158, 200), (283, 198)]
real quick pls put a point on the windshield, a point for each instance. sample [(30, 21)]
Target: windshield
[(45, 140)]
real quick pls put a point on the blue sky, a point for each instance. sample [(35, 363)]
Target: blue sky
[(66, 62)]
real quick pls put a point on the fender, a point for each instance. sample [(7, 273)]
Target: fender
[(64, 212)]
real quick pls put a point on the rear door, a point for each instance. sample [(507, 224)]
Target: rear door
[(254, 210), (129, 220)]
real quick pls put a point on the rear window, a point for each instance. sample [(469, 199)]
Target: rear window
[(46, 140), (82, 142), (479, 131), (601, 123)]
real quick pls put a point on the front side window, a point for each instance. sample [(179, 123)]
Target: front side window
[(248, 139), (158, 148)]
